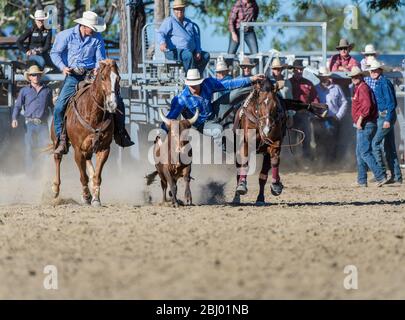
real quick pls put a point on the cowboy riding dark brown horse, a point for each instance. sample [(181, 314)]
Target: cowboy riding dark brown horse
[(90, 127), (265, 113)]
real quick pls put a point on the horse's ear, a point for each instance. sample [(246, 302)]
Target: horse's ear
[(257, 86)]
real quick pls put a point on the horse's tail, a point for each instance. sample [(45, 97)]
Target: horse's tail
[(48, 148), (150, 178)]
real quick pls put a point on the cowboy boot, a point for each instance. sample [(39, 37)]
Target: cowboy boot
[(62, 145), (121, 136)]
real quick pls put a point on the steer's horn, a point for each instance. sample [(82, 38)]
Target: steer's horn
[(194, 118), (163, 117)]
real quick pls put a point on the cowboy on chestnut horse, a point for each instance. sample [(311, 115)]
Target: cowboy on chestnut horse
[(77, 52)]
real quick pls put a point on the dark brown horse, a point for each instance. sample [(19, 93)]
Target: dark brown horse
[(90, 128), (265, 114)]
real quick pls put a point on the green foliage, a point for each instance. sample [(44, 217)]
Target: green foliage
[(378, 28)]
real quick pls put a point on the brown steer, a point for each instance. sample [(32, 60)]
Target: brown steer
[(173, 158)]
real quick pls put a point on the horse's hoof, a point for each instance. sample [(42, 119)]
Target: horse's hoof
[(236, 199), (241, 189), (260, 200), (55, 191), (96, 203), (176, 205), (276, 188), (86, 200)]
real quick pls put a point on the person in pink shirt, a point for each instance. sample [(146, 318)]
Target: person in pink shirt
[(343, 61)]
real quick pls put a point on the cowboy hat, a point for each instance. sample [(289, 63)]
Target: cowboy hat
[(374, 65), (246, 62), (179, 4), (276, 64), (221, 66), (34, 69), (193, 78), (92, 20), (324, 72), (369, 49), (39, 15), (344, 43), (298, 63), (356, 71)]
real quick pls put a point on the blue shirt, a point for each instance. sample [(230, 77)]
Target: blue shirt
[(334, 97), (179, 35), (370, 82), (384, 93), (35, 103), (71, 50), (185, 103)]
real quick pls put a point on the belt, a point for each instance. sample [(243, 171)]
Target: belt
[(35, 121), (80, 71)]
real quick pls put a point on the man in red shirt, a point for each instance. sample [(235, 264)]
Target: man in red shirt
[(303, 90), (364, 114), (343, 61)]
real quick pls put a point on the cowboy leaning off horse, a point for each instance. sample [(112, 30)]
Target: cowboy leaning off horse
[(77, 52)]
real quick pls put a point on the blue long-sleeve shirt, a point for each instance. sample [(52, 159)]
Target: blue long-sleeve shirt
[(36, 104), (179, 35), (186, 104), (71, 50), (384, 93)]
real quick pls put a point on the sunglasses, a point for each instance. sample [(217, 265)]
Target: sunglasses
[(35, 75), (344, 49)]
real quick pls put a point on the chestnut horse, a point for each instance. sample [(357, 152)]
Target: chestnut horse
[(90, 127), (264, 112)]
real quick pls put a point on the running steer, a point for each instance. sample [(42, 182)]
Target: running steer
[(170, 155)]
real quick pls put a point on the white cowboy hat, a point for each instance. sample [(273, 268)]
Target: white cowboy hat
[(356, 71), (324, 72), (179, 4), (193, 78), (39, 15), (374, 65), (276, 64), (34, 69), (369, 49), (221, 66), (92, 20)]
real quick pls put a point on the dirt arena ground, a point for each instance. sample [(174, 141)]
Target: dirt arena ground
[(296, 246)]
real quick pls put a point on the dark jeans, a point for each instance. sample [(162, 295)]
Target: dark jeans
[(326, 135), (250, 40), (384, 142), (41, 60), (187, 59), (364, 154), (36, 137)]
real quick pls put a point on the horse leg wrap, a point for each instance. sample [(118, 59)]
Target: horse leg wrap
[(275, 175)]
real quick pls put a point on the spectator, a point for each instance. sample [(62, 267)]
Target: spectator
[(247, 66), (39, 41), (343, 61), (179, 39), (364, 114), (304, 91), (332, 95), (284, 85), (222, 74), (384, 139), (243, 11), (36, 100), (369, 55)]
